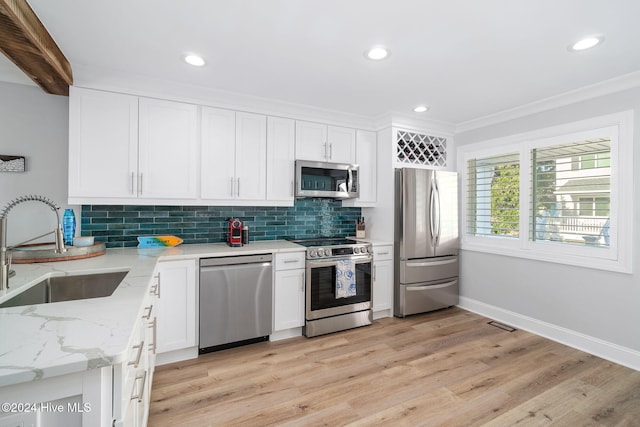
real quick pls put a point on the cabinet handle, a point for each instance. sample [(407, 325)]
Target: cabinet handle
[(136, 362), (154, 327), (383, 253), (140, 391), (140, 185), (132, 181), (149, 310), (289, 261), (326, 150), (330, 151), (238, 187), (155, 289), (231, 187)]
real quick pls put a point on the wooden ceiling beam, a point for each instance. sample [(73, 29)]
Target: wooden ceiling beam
[(26, 42)]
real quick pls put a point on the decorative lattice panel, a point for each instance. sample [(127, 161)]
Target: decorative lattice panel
[(417, 149)]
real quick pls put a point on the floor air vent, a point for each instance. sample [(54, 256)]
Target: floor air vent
[(502, 326)]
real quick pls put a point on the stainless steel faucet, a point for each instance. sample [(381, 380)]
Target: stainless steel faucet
[(5, 258)]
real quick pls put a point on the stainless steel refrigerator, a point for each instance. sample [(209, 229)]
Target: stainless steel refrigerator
[(426, 241)]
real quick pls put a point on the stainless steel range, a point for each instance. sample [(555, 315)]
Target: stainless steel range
[(338, 285)]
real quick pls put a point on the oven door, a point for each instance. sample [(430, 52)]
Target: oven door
[(320, 292)]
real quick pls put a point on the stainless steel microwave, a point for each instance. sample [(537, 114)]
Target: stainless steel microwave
[(322, 179)]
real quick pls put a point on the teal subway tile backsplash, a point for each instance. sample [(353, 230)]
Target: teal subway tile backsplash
[(119, 225)]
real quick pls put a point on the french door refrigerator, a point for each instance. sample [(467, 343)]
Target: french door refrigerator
[(426, 241)]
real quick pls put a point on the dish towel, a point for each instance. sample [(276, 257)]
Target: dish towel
[(345, 278)]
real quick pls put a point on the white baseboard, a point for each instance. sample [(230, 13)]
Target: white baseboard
[(604, 349), (286, 333), (176, 356), (382, 314)]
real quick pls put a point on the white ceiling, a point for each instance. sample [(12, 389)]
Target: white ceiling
[(466, 59)]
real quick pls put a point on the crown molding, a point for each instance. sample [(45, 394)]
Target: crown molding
[(410, 122), (116, 81), (606, 87)]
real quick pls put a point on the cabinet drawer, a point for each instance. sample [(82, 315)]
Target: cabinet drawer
[(290, 261), (382, 252)]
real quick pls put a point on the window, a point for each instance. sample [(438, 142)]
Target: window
[(571, 204), (496, 197), (556, 194)]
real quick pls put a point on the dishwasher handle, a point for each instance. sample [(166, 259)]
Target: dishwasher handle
[(235, 260)]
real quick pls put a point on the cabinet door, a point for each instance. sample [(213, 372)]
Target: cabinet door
[(366, 159), (217, 153), (251, 156), (103, 144), (167, 149), (176, 306), (280, 158), (288, 299), (342, 144), (311, 141), (382, 285)]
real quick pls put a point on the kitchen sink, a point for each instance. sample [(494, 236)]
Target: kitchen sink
[(68, 288)]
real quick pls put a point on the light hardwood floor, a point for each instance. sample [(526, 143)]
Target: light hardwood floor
[(447, 368)]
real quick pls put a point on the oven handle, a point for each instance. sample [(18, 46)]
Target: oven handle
[(328, 262)]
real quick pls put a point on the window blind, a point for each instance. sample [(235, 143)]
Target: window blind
[(571, 193), (493, 196)]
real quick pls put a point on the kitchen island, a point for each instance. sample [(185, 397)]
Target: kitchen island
[(85, 341)]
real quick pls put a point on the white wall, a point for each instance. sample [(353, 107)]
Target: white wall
[(35, 125), (591, 309)]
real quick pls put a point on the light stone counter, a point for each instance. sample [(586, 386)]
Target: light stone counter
[(47, 340)]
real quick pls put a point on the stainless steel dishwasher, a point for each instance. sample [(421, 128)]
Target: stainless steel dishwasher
[(235, 301)]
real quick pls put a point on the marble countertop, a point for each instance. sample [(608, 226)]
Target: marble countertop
[(46, 340)]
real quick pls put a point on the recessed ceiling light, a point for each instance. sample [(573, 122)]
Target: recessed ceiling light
[(586, 43), (377, 53), (194, 60), (420, 108)]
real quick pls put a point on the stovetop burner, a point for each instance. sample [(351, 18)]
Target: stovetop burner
[(325, 247)]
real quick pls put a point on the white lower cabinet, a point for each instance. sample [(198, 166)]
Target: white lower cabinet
[(288, 307), (132, 379), (176, 314), (382, 278)]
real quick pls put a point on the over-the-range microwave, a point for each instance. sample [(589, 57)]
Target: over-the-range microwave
[(323, 179)]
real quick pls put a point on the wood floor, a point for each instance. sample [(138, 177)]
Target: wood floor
[(447, 368)]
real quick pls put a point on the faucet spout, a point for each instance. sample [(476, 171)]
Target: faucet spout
[(5, 259)]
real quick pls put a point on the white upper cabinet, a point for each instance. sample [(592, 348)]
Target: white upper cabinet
[(342, 144), (233, 156), (167, 149), (123, 148), (251, 156), (103, 144), (320, 142), (366, 159), (217, 153), (280, 159)]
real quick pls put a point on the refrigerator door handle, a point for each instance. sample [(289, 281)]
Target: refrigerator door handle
[(437, 210), (432, 225), (430, 287), (431, 263)]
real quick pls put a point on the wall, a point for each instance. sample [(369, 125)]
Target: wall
[(590, 309), (35, 125), (119, 226)]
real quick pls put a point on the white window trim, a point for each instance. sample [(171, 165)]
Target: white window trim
[(618, 256)]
